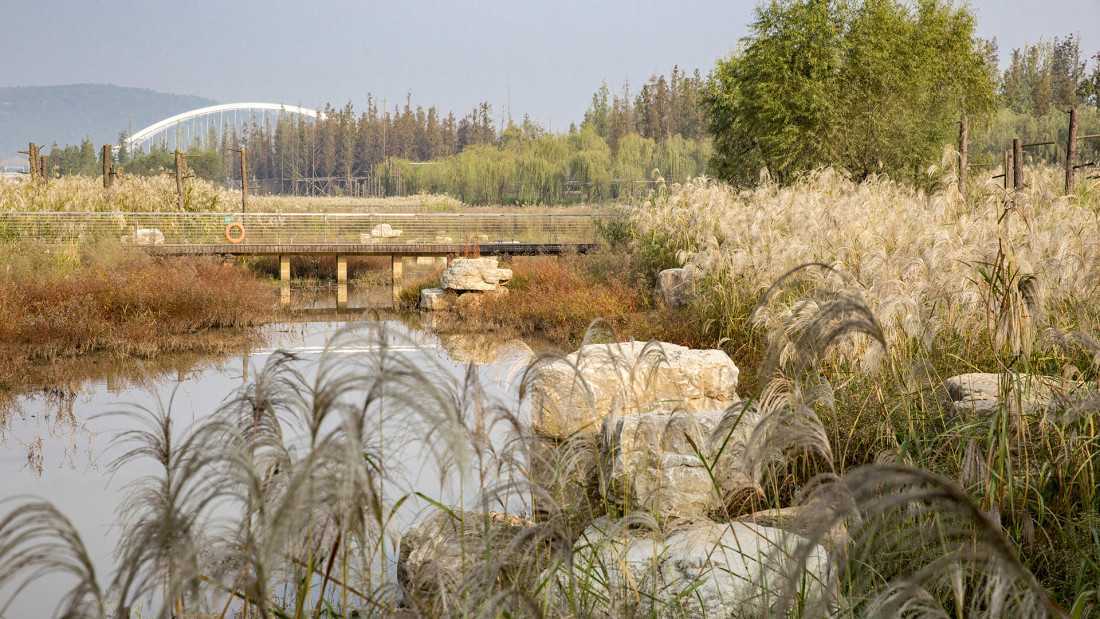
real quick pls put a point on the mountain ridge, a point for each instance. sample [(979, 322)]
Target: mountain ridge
[(68, 113)]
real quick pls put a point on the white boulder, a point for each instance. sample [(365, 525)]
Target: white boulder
[(437, 555), (435, 299), (384, 231), (703, 569), (655, 461), (474, 274), (575, 393), (676, 287), (985, 393), (148, 236)]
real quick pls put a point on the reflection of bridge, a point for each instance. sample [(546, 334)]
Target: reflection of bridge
[(398, 235), (208, 123)]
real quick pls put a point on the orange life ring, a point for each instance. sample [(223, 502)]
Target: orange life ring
[(234, 238)]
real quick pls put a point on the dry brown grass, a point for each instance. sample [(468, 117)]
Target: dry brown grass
[(557, 298), (105, 299)]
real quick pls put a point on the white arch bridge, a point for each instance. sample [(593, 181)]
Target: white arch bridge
[(204, 124)]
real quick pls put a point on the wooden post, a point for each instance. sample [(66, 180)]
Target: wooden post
[(32, 161), (1071, 149), (108, 167), (1007, 169), (244, 179), (181, 170), (964, 153), (1017, 164), (43, 168)]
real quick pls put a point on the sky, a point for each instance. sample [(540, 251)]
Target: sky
[(540, 58)]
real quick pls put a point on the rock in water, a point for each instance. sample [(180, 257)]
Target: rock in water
[(438, 556), (476, 274), (575, 393), (655, 461), (676, 287), (702, 569), (435, 300)]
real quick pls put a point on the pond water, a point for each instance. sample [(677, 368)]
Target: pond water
[(56, 447)]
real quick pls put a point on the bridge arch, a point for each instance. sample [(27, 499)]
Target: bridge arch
[(139, 139)]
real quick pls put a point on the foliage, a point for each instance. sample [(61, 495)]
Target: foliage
[(664, 107), (871, 87), (534, 168)]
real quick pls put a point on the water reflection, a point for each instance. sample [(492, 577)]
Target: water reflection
[(54, 445)]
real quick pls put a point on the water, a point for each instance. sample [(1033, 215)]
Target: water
[(54, 446)]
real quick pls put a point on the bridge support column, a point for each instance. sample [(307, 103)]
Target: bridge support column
[(284, 280), (397, 271), (341, 282)]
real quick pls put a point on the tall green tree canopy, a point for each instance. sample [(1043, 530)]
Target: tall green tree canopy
[(871, 86)]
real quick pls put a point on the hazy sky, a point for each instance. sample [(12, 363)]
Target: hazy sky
[(547, 57)]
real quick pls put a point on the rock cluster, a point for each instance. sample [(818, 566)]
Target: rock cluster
[(658, 429), (462, 283)]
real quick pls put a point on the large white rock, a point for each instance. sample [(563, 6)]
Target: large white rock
[(435, 299), (985, 393), (437, 556), (575, 393), (676, 287), (653, 465), (704, 569), (148, 236), (478, 274), (384, 231)]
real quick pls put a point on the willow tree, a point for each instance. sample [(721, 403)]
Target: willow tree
[(871, 86)]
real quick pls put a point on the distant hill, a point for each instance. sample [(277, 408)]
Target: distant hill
[(68, 114)]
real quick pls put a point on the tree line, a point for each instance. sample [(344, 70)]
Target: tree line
[(871, 86)]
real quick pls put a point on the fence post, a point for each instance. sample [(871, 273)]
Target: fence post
[(32, 161), (43, 168), (108, 167), (244, 179), (964, 153), (1071, 149), (1017, 164), (1007, 165)]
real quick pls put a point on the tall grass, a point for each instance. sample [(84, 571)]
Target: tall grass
[(158, 194), (1002, 281), (275, 506)]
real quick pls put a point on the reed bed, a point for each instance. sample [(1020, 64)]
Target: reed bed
[(1004, 282), (853, 300), (141, 194), (67, 302)]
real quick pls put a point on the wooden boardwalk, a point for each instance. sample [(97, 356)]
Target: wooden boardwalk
[(379, 249)]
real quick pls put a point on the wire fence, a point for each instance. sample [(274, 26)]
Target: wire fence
[(299, 228)]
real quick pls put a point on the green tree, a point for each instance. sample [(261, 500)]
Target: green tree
[(871, 86)]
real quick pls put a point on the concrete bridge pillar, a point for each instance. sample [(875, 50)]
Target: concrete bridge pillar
[(284, 280), (397, 270), (341, 282)]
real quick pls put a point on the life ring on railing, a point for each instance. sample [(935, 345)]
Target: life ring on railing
[(234, 238)]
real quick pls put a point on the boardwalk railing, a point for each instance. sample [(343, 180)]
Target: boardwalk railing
[(301, 228)]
